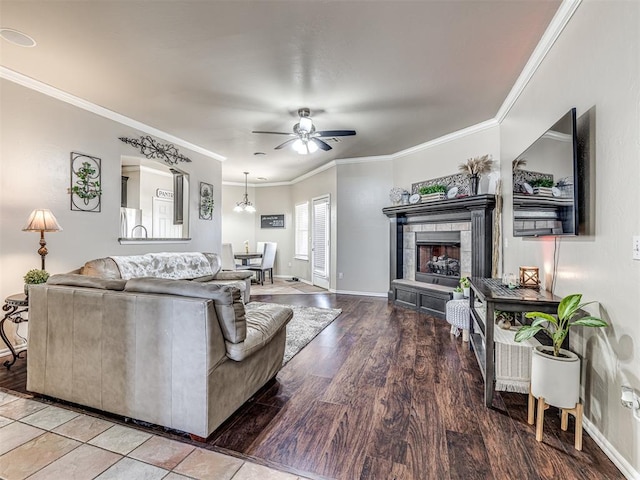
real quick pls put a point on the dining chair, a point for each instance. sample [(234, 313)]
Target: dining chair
[(228, 262), (255, 262), (267, 261)]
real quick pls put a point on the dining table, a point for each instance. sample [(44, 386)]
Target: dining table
[(246, 257)]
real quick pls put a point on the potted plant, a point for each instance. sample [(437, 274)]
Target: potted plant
[(474, 167), (555, 372), (465, 283), (34, 277), (504, 319), (457, 293)]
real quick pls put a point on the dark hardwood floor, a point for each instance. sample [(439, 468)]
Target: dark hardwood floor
[(387, 393)]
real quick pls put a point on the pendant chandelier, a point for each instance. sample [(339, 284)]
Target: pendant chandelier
[(245, 205)]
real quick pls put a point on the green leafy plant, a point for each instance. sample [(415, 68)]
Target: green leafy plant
[(426, 190), (465, 282), (85, 187), (36, 276), (558, 328), (458, 289), (541, 182)]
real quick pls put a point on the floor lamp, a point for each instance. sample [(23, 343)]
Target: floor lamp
[(42, 220)]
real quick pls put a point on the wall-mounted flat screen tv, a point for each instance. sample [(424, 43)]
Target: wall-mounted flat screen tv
[(545, 183)]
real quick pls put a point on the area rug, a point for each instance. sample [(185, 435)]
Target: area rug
[(280, 286), (306, 324)]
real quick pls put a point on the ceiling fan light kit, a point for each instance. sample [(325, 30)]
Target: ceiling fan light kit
[(306, 139)]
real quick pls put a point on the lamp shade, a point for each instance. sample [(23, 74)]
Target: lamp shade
[(42, 220)]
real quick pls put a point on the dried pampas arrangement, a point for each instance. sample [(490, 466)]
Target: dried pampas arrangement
[(476, 165), (518, 163)]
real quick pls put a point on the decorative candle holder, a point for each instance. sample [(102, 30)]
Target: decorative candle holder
[(529, 277)]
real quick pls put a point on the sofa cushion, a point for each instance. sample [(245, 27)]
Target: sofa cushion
[(75, 280), (227, 301), (264, 321), (101, 267)]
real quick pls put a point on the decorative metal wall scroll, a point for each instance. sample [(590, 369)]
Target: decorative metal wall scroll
[(206, 201), (152, 149), (86, 189)]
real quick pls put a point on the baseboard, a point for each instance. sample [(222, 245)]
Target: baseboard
[(619, 461), (362, 294), (5, 351)]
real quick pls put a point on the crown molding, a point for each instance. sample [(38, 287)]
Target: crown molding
[(560, 19), (478, 127), (376, 158), (53, 92)]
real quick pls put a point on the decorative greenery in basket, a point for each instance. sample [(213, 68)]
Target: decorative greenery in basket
[(541, 182), (426, 190), (86, 188)]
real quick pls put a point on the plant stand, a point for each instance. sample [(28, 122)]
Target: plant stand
[(564, 418)]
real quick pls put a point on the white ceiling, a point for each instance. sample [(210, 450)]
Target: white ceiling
[(209, 72)]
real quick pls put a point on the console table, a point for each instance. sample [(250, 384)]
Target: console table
[(485, 297)]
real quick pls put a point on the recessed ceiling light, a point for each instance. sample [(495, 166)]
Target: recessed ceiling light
[(259, 153), (17, 38)]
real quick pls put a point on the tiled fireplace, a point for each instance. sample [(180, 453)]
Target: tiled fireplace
[(434, 244)]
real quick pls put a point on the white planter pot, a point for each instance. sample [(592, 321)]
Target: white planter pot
[(458, 295), (465, 291), (556, 379)]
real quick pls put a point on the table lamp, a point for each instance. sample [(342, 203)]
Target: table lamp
[(42, 220)]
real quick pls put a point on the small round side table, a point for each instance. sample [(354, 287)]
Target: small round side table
[(14, 306)]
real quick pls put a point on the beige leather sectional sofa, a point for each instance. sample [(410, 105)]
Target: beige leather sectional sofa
[(174, 352)]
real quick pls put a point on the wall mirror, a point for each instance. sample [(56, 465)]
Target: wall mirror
[(153, 201), (545, 183)]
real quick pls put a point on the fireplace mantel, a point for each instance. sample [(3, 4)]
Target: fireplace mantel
[(486, 202), (477, 209)]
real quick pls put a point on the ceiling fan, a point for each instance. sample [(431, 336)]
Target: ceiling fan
[(306, 138)]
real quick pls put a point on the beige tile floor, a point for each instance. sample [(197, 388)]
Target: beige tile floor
[(42, 442)]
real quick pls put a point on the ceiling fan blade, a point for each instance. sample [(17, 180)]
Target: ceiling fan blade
[(323, 145), (288, 142), (275, 133), (334, 133)]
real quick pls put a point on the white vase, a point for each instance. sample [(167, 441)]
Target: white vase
[(556, 379)]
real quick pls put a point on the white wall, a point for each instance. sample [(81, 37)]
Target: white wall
[(363, 230), (238, 227), (37, 136), (594, 63)]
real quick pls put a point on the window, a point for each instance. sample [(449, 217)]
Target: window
[(302, 231)]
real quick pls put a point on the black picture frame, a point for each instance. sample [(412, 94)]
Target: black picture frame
[(272, 221)]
